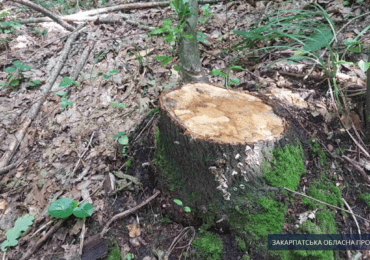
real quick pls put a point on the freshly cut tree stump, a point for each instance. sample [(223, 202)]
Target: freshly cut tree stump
[(212, 141)]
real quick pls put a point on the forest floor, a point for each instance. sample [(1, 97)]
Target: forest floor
[(90, 141)]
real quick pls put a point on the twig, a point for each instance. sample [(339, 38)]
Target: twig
[(353, 215), (7, 168), (41, 228), (80, 158), (128, 212), (358, 167), (36, 107), (177, 239), (359, 145), (42, 240), (82, 235), (144, 128), (46, 12), (304, 195)]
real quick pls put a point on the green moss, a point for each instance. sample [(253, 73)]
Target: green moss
[(128, 163), (326, 224), (153, 111), (268, 219), (246, 257), (114, 254), (317, 151), (209, 246), (286, 167), (323, 192), (365, 197), (168, 167), (241, 244)]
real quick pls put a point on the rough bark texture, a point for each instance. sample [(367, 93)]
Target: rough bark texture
[(188, 48), (215, 168)]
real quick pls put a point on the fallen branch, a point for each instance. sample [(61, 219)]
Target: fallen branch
[(36, 107), (84, 15), (358, 167), (177, 240), (304, 195), (128, 212), (353, 216), (7, 168), (45, 12), (42, 240)]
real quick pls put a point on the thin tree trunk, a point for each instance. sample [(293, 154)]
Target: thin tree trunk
[(188, 48)]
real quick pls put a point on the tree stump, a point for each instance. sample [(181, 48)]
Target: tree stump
[(212, 142)]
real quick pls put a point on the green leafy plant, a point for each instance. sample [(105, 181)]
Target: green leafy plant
[(109, 74), (123, 140), (7, 26), (65, 207), (205, 14), (308, 31), (209, 246), (66, 83), (40, 32), (119, 105), (172, 34), (228, 82), (15, 74), (129, 256), (21, 225), (34, 84), (179, 203)]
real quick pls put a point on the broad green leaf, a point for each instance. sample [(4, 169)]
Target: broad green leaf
[(65, 102), (158, 31), (187, 209), (113, 104), (216, 72), (14, 82), (24, 67), (123, 140), (10, 69), (84, 210), (235, 81), (177, 68), (151, 82), (61, 93), (61, 208), (66, 82), (235, 68), (114, 71), (17, 63), (118, 135), (364, 65), (178, 202), (121, 105), (165, 59)]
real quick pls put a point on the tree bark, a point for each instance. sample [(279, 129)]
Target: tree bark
[(188, 48), (214, 142)]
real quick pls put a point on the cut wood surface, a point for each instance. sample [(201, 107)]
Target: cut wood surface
[(214, 140), (221, 115)]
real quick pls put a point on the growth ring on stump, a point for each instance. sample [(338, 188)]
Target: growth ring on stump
[(214, 139)]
